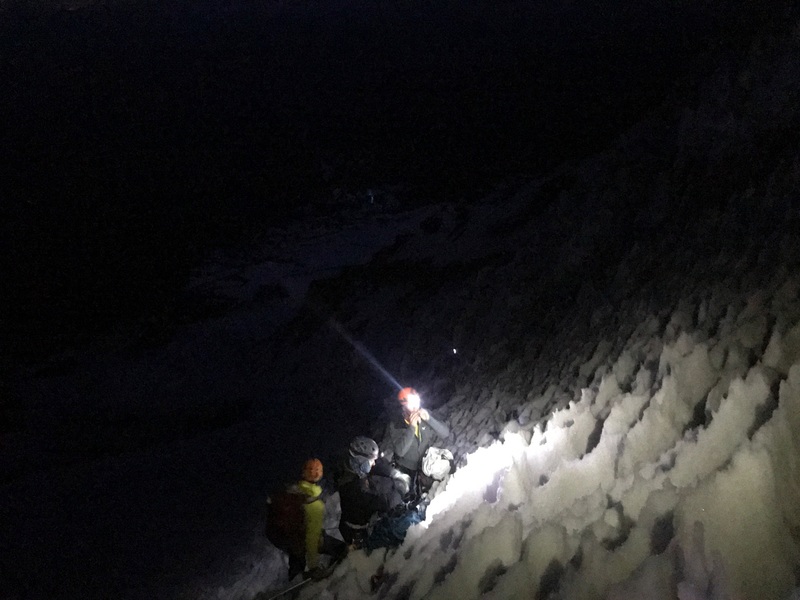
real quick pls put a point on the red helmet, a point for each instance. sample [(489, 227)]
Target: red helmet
[(312, 470), (409, 398), (404, 393)]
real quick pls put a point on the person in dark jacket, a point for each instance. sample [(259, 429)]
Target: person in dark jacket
[(367, 485), (409, 435)]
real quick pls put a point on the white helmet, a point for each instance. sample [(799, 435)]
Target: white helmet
[(364, 446)]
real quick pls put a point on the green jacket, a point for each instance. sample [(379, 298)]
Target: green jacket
[(315, 517)]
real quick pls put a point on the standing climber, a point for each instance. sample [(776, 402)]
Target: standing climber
[(295, 524), (410, 433)]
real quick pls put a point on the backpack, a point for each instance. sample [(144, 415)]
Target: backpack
[(437, 463), (390, 530), (285, 526)]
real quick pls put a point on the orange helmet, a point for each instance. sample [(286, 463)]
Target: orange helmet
[(312, 470), (409, 398)]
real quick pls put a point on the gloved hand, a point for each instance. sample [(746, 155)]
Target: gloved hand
[(402, 482), (414, 418)]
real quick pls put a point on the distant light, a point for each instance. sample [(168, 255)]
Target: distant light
[(455, 351)]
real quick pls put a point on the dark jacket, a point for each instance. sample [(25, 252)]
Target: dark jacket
[(409, 446), (362, 498)]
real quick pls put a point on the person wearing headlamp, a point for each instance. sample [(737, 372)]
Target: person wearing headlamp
[(410, 434)]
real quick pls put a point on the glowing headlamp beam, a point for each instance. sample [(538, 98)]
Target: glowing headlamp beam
[(366, 354)]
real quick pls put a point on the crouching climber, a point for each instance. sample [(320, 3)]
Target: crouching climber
[(368, 488)]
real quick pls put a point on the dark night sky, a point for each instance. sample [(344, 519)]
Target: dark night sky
[(139, 135)]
